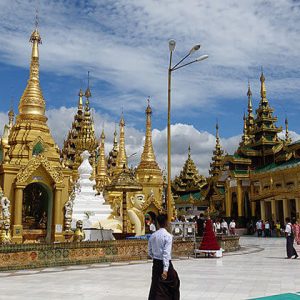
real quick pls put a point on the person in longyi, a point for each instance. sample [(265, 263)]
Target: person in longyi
[(165, 281)]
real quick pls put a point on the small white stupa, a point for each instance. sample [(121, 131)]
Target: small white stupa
[(88, 206)]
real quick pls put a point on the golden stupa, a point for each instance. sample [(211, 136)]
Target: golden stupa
[(31, 172)]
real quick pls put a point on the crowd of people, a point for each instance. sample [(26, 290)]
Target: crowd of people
[(220, 226)]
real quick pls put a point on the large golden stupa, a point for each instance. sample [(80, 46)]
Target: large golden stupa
[(37, 178)]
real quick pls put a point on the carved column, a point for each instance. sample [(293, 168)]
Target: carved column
[(57, 217), (18, 206), (286, 208), (240, 198), (228, 200), (297, 200), (273, 210), (253, 208), (262, 210)]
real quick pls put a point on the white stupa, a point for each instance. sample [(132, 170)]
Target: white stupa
[(88, 206)]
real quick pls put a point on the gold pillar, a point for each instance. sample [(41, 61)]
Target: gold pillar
[(253, 208), (228, 200), (240, 198), (273, 209), (18, 206), (286, 208), (297, 200), (57, 217), (262, 210)]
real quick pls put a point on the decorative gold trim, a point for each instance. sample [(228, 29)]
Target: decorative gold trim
[(33, 165)]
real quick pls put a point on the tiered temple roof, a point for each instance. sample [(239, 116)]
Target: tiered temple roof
[(217, 159), (261, 141), (189, 180), (82, 134)]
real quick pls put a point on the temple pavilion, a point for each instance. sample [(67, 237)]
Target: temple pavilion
[(261, 179)]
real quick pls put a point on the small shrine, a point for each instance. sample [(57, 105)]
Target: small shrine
[(87, 206)]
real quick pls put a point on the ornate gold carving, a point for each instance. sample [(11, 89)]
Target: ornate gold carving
[(33, 164), (152, 200)]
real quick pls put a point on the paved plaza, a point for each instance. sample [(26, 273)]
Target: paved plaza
[(259, 269)]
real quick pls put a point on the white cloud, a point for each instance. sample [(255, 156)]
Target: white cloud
[(124, 43)]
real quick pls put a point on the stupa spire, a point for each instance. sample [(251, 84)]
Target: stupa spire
[(32, 103), (80, 102), (148, 160), (102, 176), (216, 165), (287, 135), (148, 153), (11, 115), (121, 158), (263, 90)]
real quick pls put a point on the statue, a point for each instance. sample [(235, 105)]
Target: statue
[(43, 221), (136, 215), (79, 234), (69, 211), (5, 237), (5, 204)]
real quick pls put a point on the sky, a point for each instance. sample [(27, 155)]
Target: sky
[(124, 45)]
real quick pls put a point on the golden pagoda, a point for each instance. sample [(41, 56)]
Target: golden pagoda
[(186, 187), (112, 157), (31, 173), (121, 160), (102, 179), (148, 173), (213, 192)]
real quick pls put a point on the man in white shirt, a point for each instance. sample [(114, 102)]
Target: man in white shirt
[(165, 282), (290, 250), (259, 228)]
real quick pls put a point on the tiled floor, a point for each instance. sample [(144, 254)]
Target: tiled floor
[(258, 270)]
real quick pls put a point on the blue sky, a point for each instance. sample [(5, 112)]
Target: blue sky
[(124, 44)]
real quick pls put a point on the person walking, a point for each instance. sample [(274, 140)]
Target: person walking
[(259, 228), (165, 281), (267, 229), (290, 250)]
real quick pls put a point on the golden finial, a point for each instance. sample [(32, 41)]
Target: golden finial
[(115, 136), (122, 121), (122, 157), (189, 151), (102, 135), (80, 103), (148, 109), (263, 91), (11, 114), (217, 129), (88, 93)]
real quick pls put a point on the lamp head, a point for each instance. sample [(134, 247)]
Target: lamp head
[(172, 44), (202, 57), (195, 48)]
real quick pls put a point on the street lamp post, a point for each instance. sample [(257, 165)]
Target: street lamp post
[(179, 65)]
